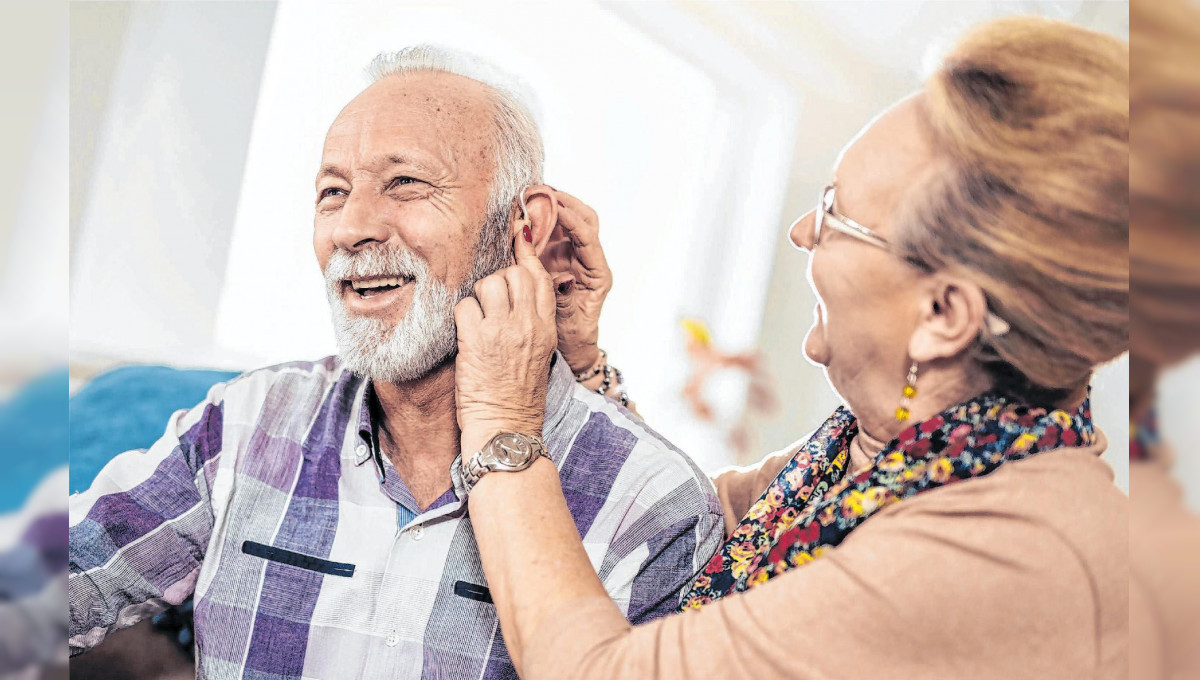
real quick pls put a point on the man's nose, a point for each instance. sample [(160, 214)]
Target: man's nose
[(801, 231), (361, 223)]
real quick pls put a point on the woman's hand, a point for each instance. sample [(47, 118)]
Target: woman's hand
[(505, 339), (582, 284)]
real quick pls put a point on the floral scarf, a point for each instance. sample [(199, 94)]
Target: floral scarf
[(784, 530)]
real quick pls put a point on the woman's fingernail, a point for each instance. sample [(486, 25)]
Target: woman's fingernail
[(528, 234)]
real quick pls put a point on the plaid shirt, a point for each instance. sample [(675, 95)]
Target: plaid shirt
[(308, 557)]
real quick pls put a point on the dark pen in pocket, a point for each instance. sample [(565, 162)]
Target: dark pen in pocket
[(472, 591), (295, 559)]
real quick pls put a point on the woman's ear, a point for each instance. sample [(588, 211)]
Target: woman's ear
[(952, 315), (541, 215)]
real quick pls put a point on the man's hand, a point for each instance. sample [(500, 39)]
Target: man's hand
[(506, 336)]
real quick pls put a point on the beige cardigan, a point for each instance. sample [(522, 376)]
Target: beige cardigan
[(1022, 573), (1164, 588)]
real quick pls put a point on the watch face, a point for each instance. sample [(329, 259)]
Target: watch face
[(510, 449)]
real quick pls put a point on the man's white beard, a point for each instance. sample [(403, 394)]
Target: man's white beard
[(426, 336)]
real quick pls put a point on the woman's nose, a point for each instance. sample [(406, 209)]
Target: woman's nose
[(801, 231)]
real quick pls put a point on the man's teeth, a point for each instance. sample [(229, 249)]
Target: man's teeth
[(367, 284)]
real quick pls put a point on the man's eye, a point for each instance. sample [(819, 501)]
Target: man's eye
[(331, 191), (400, 181)]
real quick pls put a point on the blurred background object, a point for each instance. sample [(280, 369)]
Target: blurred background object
[(707, 359), (1164, 258), (697, 130), (33, 341)]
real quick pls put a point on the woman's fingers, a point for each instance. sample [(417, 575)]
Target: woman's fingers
[(521, 289), (585, 211), (506, 336), (538, 277), (467, 315), (492, 293), (584, 239)]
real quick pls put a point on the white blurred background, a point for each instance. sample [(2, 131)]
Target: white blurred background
[(33, 179), (697, 130)]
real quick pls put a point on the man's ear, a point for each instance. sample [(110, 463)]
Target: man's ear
[(952, 315), (542, 215)]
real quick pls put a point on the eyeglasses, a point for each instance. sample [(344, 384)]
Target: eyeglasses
[(827, 216)]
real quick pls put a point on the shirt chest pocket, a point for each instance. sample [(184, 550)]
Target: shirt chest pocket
[(299, 560)]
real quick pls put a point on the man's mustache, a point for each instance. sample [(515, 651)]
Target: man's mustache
[(376, 261)]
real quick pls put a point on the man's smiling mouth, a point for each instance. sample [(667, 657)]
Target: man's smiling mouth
[(373, 286)]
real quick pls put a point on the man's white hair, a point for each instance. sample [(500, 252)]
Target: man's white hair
[(519, 152)]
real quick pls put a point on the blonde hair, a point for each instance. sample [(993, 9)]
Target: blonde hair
[(1030, 118), (1164, 244)]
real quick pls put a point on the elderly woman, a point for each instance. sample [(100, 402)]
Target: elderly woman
[(953, 518)]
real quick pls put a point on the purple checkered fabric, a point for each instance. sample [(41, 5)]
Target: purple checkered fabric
[(308, 557)]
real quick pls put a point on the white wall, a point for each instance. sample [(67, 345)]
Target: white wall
[(152, 239), (33, 214)]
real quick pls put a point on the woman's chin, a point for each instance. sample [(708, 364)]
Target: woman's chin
[(815, 349)]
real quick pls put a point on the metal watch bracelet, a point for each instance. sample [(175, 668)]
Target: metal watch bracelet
[(505, 452)]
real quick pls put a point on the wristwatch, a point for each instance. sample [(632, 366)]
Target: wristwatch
[(507, 452)]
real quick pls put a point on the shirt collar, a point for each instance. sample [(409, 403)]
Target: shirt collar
[(365, 449)]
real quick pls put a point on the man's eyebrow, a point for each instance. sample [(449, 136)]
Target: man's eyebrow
[(331, 170), (411, 162), (328, 170)]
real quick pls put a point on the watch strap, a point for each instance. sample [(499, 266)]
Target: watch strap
[(474, 467)]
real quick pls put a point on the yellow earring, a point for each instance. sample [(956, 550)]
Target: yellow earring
[(910, 391)]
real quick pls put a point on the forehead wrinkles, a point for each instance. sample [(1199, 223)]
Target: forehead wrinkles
[(442, 114)]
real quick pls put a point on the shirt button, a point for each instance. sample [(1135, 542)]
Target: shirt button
[(417, 532), (392, 640)]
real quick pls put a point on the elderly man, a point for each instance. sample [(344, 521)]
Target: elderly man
[(318, 510)]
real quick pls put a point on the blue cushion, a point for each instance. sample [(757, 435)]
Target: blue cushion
[(128, 408), (33, 437)]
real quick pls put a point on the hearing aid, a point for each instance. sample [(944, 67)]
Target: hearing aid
[(524, 222)]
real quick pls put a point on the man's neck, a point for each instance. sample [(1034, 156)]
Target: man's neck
[(418, 431)]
